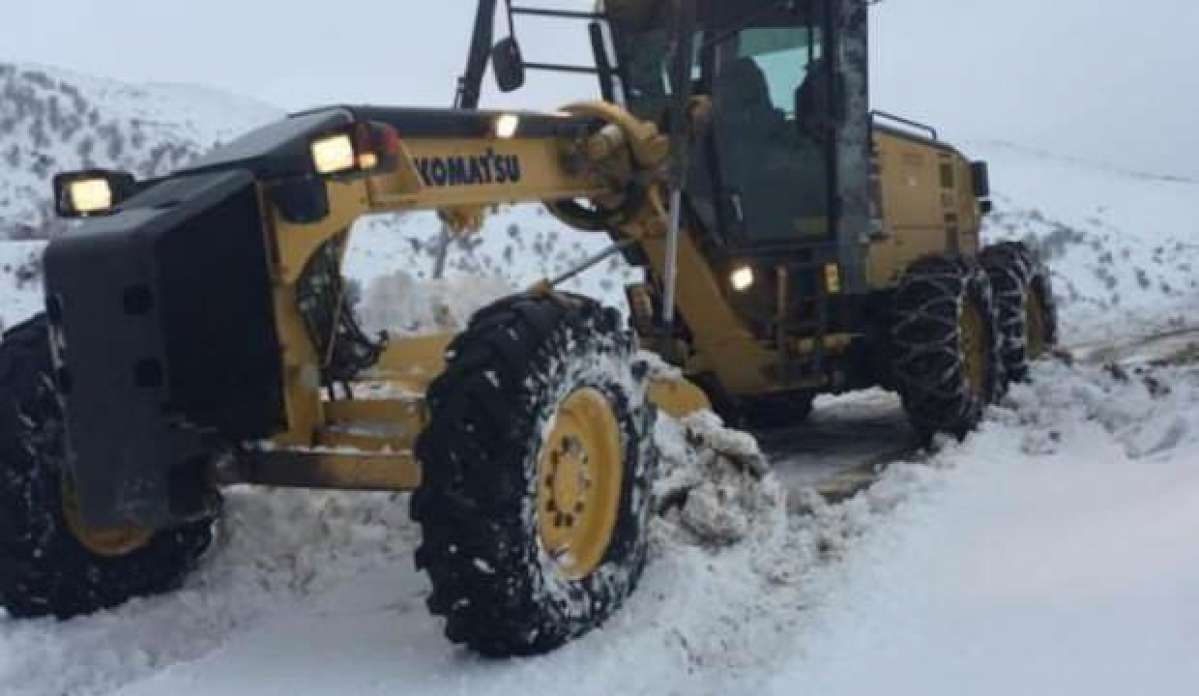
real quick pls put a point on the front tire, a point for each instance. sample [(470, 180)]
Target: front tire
[(50, 564), (538, 463), (945, 346)]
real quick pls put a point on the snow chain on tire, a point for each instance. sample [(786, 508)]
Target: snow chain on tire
[(44, 568), (493, 580), (927, 362), (1016, 272)]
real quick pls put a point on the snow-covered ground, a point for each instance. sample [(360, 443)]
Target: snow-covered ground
[(1052, 552)]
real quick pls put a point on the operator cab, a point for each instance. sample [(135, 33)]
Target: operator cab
[(782, 168), (763, 169)]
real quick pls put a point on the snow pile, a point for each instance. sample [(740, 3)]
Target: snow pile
[(1149, 412), (401, 305), (716, 487)]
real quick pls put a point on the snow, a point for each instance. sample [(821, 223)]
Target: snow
[(1123, 246), (517, 246), (53, 120), (20, 281), (399, 304), (1052, 553)]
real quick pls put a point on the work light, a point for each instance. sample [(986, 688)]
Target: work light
[(742, 279), (334, 154), (90, 195), (506, 126), (364, 147), (91, 192)]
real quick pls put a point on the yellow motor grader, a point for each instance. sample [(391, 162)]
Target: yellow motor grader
[(198, 332)]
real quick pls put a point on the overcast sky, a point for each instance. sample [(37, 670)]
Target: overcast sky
[(1107, 80)]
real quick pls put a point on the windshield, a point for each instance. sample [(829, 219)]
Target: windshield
[(779, 41), (785, 55)]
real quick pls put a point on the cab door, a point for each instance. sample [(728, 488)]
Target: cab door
[(773, 163)]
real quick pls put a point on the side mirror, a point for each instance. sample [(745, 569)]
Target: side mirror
[(981, 175), (509, 65)]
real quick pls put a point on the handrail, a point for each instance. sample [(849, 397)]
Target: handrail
[(563, 14), (906, 122)]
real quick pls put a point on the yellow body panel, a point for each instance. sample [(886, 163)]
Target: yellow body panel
[(546, 174), (412, 362), (927, 202)]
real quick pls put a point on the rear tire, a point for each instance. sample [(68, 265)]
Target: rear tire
[(1025, 304), (45, 567), (945, 345), (487, 545)]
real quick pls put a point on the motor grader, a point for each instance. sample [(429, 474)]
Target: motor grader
[(198, 333)]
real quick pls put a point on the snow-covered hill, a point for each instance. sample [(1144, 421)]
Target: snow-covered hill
[(1123, 246), (52, 120)]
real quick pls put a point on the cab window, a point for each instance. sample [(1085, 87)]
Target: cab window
[(775, 175)]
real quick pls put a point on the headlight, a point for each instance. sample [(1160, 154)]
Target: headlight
[(742, 279), (364, 147), (92, 192), (506, 126), (334, 154)]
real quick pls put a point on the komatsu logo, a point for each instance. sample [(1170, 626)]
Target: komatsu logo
[(488, 168)]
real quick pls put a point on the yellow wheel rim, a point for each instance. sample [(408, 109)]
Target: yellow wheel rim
[(972, 335), (579, 474), (109, 541), (1034, 312)]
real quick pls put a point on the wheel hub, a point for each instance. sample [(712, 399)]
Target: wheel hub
[(972, 343), (108, 541), (580, 472)]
